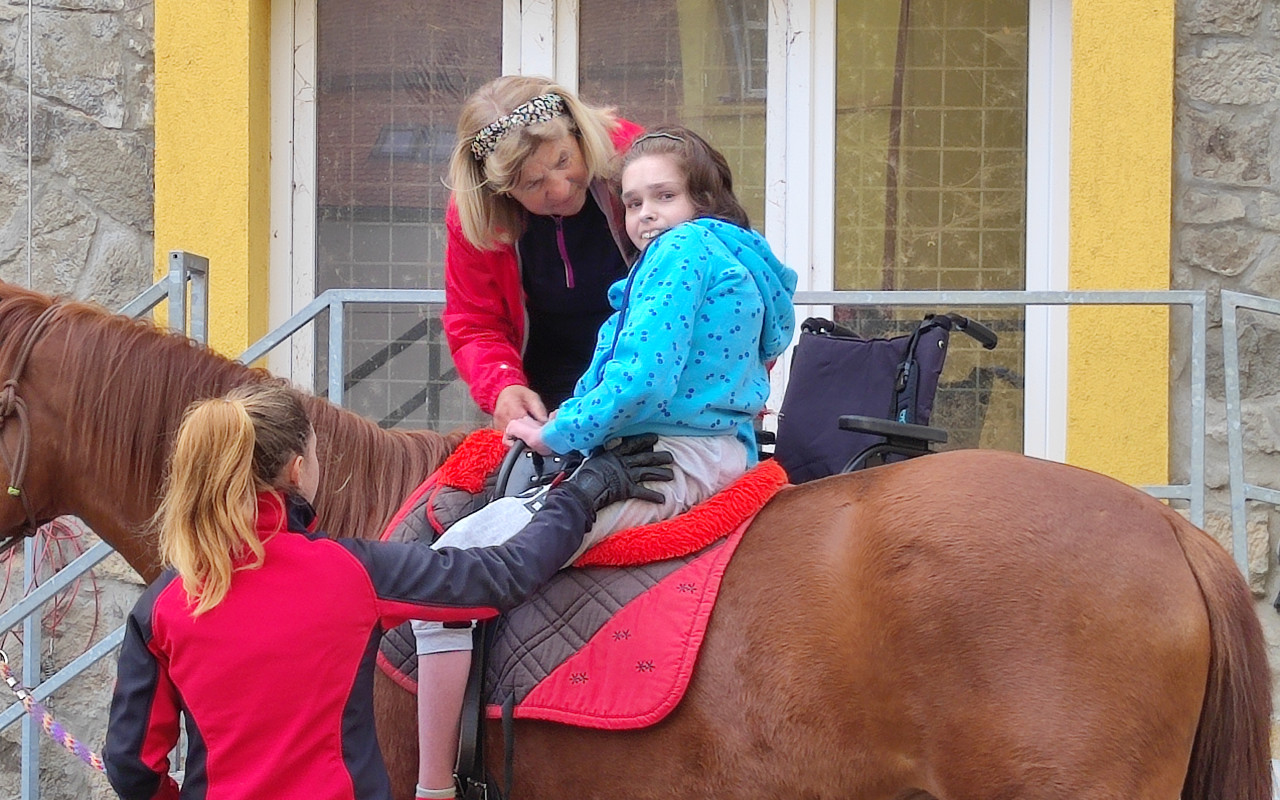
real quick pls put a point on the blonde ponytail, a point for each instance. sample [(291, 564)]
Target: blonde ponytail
[(227, 451)]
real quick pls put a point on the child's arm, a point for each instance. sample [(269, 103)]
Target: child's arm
[(652, 349), (412, 581)]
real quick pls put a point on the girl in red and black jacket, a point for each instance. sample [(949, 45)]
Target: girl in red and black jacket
[(263, 634)]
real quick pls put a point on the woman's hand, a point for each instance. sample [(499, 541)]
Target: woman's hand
[(529, 431), (516, 401)]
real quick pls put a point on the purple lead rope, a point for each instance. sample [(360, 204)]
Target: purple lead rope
[(50, 726)]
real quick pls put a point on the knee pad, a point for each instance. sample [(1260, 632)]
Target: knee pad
[(435, 637)]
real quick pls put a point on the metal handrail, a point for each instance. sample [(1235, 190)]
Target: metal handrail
[(334, 300), (1241, 489)]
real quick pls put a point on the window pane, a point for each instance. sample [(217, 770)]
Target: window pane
[(931, 99), (391, 78), (700, 63)]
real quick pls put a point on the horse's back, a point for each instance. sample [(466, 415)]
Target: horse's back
[(967, 616), (966, 625)]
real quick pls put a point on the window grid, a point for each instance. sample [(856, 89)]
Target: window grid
[(391, 78), (699, 63)]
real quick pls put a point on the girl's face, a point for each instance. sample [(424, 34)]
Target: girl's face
[(656, 197), (553, 180)]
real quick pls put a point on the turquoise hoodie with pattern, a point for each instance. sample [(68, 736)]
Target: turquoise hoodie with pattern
[(706, 307)]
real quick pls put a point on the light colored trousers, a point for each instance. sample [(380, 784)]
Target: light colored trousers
[(703, 465)]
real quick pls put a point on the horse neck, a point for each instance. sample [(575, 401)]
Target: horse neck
[(106, 396), (366, 471)]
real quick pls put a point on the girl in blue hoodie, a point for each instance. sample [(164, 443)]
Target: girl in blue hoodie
[(705, 308), (702, 312)]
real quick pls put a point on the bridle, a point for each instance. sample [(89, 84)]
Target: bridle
[(13, 406)]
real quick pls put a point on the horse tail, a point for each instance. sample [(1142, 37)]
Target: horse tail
[(1231, 754)]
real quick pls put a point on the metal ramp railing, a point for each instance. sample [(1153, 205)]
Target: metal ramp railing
[(1193, 492), (1241, 489)]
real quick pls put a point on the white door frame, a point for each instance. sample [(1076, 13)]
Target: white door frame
[(1048, 225), (292, 273)]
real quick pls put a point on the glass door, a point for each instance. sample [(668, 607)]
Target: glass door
[(391, 77), (931, 185)]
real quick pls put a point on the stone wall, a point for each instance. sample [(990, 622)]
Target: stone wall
[(1226, 235), (91, 147), (80, 225)]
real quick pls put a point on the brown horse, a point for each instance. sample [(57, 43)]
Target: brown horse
[(968, 625)]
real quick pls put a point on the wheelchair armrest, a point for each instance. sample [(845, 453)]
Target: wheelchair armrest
[(891, 430)]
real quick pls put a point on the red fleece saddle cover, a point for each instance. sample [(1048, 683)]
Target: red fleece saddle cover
[(609, 647)]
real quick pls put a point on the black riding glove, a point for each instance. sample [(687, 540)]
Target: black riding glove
[(615, 473)]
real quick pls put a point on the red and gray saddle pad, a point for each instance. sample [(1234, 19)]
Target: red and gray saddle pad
[(611, 646)]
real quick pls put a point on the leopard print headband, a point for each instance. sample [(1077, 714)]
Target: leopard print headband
[(540, 109)]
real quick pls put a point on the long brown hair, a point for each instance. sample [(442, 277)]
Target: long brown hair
[(489, 216), (228, 450)]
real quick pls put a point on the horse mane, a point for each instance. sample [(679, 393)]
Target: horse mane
[(368, 472), (128, 383)]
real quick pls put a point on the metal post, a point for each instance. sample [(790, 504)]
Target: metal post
[(1235, 438), (177, 292), (1195, 475), (336, 318), (198, 278), (30, 674), (184, 266)]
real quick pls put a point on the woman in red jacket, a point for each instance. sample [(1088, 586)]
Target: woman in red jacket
[(535, 239), (263, 634)]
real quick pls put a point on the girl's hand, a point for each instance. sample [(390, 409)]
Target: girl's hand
[(529, 431), (516, 401)]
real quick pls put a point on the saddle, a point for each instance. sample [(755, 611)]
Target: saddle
[(610, 643), (607, 577)]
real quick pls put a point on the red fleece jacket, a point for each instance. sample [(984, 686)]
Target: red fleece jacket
[(276, 681)]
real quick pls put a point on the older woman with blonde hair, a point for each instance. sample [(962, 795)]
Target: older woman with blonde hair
[(535, 239)]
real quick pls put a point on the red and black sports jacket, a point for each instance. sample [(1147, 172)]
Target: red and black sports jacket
[(276, 681)]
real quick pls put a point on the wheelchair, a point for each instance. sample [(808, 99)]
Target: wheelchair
[(879, 392)]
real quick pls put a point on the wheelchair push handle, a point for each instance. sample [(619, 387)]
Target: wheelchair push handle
[(984, 335)]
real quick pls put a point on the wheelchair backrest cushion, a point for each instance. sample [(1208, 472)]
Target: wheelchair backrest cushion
[(834, 375)]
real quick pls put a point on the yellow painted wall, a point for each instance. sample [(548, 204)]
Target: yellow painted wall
[(212, 154), (1121, 185)]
